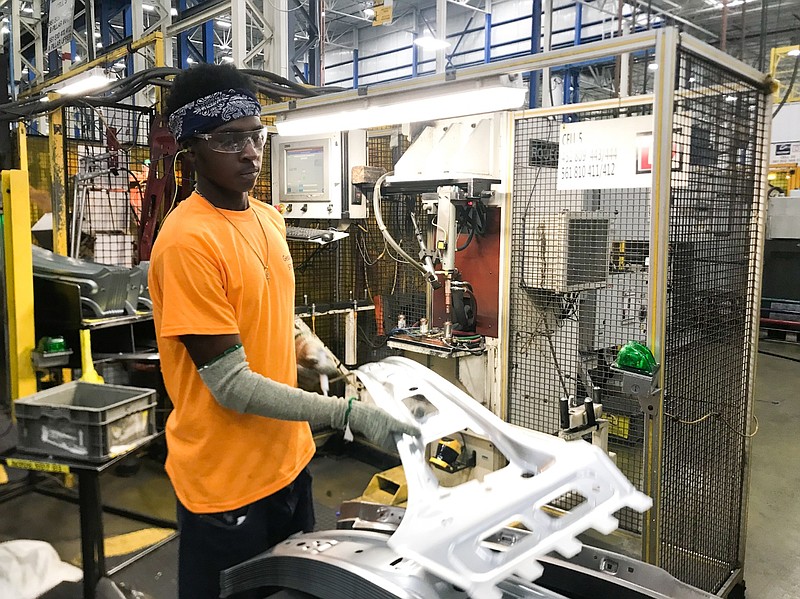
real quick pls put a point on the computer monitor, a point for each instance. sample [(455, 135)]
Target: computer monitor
[(311, 175)]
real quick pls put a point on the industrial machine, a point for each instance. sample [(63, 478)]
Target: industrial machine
[(502, 550), (311, 175), (448, 182), (452, 197)]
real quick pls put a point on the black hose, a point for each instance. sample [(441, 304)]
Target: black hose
[(272, 85), (788, 87)]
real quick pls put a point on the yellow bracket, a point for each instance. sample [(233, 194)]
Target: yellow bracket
[(89, 375)]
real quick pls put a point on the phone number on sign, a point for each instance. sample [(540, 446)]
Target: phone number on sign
[(583, 171)]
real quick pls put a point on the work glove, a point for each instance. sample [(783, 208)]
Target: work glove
[(378, 425), (312, 355)]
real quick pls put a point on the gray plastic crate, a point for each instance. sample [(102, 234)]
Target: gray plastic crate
[(84, 421)]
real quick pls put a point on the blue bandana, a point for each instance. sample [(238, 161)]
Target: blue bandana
[(209, 112)]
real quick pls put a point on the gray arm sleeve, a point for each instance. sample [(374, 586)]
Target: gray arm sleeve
[(235, 386)]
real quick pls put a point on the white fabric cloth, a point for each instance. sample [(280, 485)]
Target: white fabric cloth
[(30, 568)]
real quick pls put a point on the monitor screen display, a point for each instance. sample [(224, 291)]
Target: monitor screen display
[(305, 170)]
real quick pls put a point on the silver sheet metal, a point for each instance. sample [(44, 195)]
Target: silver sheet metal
[(358, 564)]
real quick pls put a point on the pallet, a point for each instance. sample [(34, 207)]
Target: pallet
[(785, 335)]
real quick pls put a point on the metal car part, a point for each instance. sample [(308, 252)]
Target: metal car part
[(541, 468), (358, 564)]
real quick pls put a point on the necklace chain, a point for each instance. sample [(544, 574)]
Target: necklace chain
[(246, 240)]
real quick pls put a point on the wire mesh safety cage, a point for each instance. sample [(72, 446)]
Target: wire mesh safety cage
[(397, 289), (714, 245), (106, 165), (360, 266), (578, 292)]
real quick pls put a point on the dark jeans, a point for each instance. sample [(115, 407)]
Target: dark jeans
[(210, 543)]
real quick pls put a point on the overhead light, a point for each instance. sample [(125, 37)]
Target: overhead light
[(97, 35), (428, 42), (427, 101), (793, 52), (730, 98), (173, 12), (729, 3), (4, 30), (78, 58), (148, 7), (224, 24), (27, 9), (98, 45), (191, 60), (653, 66), (88, 81), (369, 13), (227, 59)]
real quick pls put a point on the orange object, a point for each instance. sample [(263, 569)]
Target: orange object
[(206, 279), (378, 301)]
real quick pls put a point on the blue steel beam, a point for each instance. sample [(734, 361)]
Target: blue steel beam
[(536, 37)]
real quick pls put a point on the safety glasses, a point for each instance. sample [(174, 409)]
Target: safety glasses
[(233, 142)]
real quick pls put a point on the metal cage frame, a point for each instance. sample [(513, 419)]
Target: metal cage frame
[(669, 45)]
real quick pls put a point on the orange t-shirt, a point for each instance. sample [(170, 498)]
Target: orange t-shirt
[(207, 279)]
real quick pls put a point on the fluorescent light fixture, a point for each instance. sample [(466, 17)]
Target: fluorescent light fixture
[(428, 42), (224, 24), (731, 3), (653, 66), (376, 108), (90, 81), (148, 7), (793, 52)]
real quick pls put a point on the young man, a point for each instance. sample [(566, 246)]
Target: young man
[(223, 291)]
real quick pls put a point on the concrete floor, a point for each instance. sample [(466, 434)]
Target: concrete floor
[(772, 570), (773, 531)]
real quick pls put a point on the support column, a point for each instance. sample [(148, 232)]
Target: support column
[(58, 193), (441, 33), (663, 114), (238, 32), (547, 28), (277, 54), (19, 281)]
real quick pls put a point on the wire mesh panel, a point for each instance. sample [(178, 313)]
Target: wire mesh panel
[(360, 266), (714, 240), (106, 169), (578, 293)]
